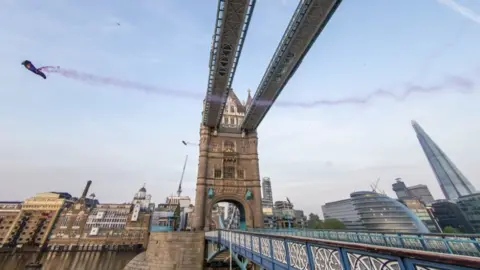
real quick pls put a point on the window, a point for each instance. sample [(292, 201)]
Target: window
[(77, 221), (232, 109), (229, 172), (240, 174), (217, 173), (229, 145), (63, 221), (215, 147)]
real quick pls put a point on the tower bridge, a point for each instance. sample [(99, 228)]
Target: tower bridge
[(228, 170)]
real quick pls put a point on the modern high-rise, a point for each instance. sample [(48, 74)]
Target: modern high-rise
[(422, 193), (452, 182), (401, 189), (267, 199), (417, 192), (344, 211), (284, 214), (419, 208)]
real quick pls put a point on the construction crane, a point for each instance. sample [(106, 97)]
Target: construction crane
[(288, 200), (179, 191), (374, 186)]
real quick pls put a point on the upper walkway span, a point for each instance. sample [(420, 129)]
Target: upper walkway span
[(271, 251)]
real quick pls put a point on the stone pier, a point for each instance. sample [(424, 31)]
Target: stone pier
[(171, 251)]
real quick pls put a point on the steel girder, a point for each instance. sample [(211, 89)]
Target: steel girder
[(233, 19), (308, 21)]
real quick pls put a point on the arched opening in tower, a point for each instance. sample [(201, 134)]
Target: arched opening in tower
[(228, 214)]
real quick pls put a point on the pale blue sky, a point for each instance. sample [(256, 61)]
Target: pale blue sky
[(58, 133)]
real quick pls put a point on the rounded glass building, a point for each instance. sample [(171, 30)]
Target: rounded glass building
[(380, 213)]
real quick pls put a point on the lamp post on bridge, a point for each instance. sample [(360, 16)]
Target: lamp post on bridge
[(189, 143)]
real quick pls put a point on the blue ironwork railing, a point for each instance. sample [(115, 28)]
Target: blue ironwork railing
[(157, 228), (287, 252), (466, 244)]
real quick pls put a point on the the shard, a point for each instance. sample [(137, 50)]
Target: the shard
[(452, 182)]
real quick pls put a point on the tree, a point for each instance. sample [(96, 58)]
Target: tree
[(333, 224), (314, 221), (450, 229)]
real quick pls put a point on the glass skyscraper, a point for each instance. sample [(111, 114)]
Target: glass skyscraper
[(452, 182)]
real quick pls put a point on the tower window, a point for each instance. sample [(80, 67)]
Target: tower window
[(240, 174), (217, 173), (229, 172), (229, 145)]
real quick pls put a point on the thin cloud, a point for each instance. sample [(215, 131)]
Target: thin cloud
[(462, 10)]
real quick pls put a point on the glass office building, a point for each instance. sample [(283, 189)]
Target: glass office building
[(380, 213), (449, 214), (423, 214), (452, 182), (470, 206), (344, 211)]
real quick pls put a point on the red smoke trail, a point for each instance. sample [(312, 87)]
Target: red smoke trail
[(94, 79), (454, 83)]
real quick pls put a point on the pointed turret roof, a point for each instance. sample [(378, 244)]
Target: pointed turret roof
[(236, 100), (249, 98)]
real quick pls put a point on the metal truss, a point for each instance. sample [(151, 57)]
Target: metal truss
[(308, 21), (233, 20)]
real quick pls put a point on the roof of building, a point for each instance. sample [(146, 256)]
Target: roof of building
[(237, 102), (10, 202), (418, 186), (63, 195)]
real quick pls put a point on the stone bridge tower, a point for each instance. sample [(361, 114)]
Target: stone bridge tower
[(228, 169)]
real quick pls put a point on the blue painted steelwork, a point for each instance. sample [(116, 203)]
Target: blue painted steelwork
[(287, 252), (212, 256), (157, 228), (227, 44), (458, 244), (221, 222), (308, 21)]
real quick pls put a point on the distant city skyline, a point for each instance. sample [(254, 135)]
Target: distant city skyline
[(58, 133)]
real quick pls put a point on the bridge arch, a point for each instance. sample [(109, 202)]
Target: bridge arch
[(246, 213)]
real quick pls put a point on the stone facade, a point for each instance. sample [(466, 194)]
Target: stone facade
[(228, 171), (228, 168), (9, 212), (87, 224), (36, 219), (171, 250), (79, 226), (240, 153)]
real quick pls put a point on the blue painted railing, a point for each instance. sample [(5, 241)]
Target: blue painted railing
[(157, 228), (459, 244), (288, 252)]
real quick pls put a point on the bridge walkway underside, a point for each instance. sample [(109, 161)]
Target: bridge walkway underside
[(290, 252)]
